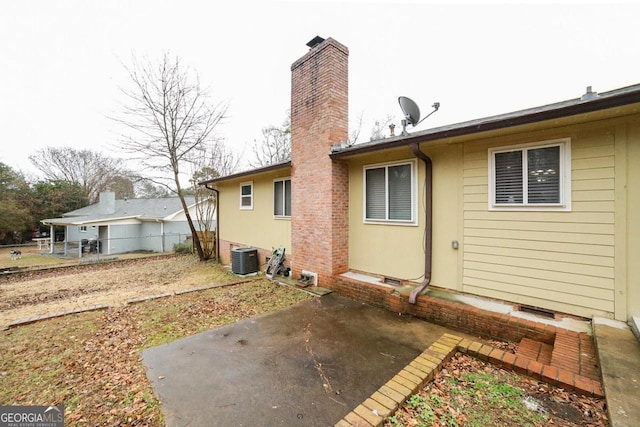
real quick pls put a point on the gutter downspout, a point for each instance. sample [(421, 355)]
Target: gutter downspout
[(217, 220), (415, 147)]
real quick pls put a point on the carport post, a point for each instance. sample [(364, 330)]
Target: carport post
[(52, 238)]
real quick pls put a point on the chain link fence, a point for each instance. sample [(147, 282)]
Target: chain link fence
[(97, 247)]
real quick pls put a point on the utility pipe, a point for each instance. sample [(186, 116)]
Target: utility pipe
[(415, 147)]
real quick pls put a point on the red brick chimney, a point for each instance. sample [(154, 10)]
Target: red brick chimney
[(319, 186)]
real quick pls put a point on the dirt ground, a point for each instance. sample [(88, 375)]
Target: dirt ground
[(38, 293)]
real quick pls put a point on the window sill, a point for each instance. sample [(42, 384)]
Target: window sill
[(382, 222), (530, 208)]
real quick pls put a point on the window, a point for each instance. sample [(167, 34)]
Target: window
[(83, 228), (531, 176), (390, 193), (282, 198), (246, 195)]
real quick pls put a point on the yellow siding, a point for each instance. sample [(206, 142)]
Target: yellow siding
[(562, 261), (579, 261), (397, 250), (256, 227), (630, 293)]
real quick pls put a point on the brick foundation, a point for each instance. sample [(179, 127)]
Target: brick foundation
[(457, 316)]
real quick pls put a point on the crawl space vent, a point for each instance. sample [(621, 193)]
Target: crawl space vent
[(538, 311), (391, 281)]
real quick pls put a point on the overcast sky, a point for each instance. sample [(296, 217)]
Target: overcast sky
[(62, 62)]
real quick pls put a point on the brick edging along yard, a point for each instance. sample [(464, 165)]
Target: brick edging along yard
[(392, 395)]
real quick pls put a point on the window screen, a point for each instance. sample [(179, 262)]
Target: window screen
[(282, 198), (389, 193), (529, 176), (246, 196)]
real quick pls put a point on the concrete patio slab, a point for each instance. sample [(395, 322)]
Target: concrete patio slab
[(308, 365)]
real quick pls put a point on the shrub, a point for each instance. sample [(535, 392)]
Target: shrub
[(183, 248)]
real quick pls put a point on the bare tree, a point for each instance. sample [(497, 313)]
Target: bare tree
[(171, 122), (92, 171), (122, 186), (275, 146), (379, 128), (354, 133), (148, 190), (217, 161), (206, 201)]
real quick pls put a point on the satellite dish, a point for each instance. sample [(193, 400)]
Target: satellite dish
[(411, 113), (410, 109)]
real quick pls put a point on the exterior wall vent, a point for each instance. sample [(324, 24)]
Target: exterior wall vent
[(549, 314), (391, 281)]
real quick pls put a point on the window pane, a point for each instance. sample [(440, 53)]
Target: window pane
[(543, 171), (375, 188), (400, 192), (287, 197), (278, 198), (508, 168), (245, 195)]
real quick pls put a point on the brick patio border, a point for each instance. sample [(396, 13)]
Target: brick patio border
[(392, 395)]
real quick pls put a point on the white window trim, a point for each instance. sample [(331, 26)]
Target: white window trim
[(83, 228), (565, 177), (273, 198), (414, 194), (250, 207)]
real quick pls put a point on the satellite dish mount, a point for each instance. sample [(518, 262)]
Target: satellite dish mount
[(411, 113)]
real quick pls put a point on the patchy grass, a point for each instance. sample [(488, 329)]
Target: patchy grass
[(91, 362), (31, 258), (41, 292)]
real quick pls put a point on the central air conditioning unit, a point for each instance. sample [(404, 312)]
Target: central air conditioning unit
[(244, 260)]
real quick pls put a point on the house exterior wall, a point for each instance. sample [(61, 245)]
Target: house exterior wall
[(579, 262), (571, 262), (134, 235), (630, 231), (397, 251), (149, 236), (73, 233), (255, 227), (124, 238), (174, 232)]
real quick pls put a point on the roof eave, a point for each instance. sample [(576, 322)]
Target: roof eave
[(66, 221), (518, 118), (270, 168)]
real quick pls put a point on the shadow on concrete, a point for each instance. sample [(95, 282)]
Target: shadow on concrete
[(307, 365)]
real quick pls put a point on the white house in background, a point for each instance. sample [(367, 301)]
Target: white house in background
[(119, 226)]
